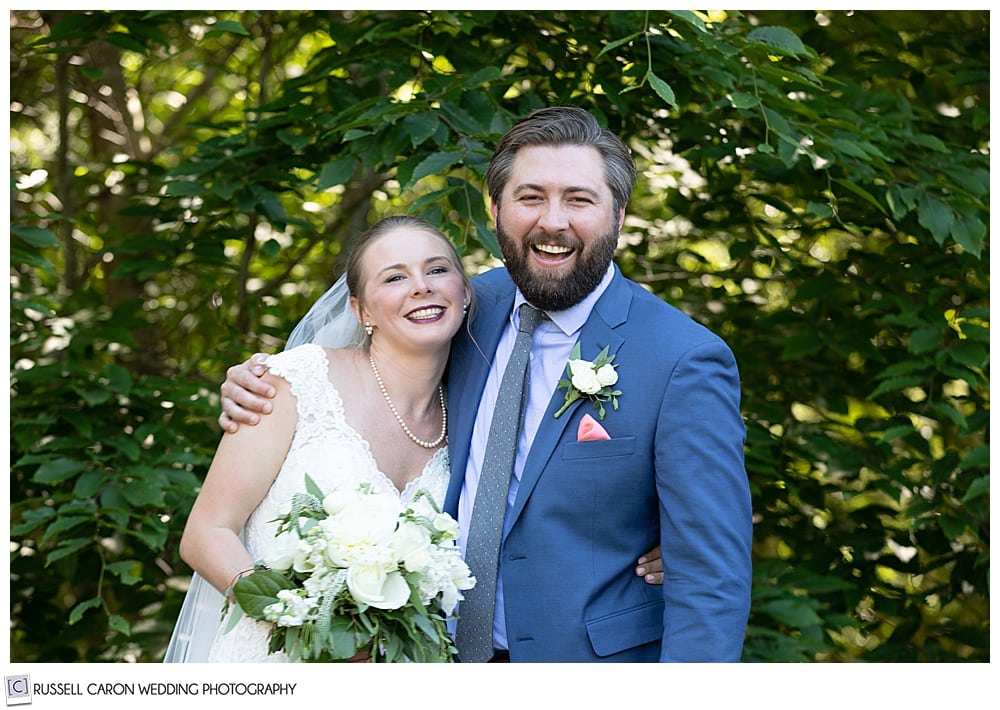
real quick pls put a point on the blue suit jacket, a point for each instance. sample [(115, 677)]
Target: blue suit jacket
[(671, 473)]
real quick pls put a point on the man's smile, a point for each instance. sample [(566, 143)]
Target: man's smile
[(552, 254)]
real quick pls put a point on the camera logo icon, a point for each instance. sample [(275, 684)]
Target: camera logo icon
[(18, 688)]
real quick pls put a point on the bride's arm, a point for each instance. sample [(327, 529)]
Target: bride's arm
[(241, 473)]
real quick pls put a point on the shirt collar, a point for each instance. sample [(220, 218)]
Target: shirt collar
[(569, 321)]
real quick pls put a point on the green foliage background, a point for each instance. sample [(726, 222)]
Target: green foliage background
[(815, 188)]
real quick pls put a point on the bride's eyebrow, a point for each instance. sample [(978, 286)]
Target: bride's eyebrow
[(427, 262)]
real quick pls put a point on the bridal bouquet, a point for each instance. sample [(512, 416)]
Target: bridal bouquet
[(356, 570)]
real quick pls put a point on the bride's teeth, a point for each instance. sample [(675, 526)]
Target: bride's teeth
[(426, 313), (553, 249)]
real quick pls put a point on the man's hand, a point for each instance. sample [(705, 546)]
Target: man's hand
[(650, 566), (245, 396)]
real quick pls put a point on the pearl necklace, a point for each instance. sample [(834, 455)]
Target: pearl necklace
[(406, 429)]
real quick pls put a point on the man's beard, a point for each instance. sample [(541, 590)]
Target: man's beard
[(558, 294)]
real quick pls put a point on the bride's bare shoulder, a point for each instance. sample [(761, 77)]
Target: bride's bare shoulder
[(343, 361), (343, 355)]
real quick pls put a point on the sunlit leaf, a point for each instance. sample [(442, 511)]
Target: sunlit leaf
[(662, 89)]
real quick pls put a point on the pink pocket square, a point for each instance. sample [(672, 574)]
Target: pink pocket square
[(590, 430)]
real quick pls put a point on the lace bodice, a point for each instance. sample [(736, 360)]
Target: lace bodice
[(333, 454)]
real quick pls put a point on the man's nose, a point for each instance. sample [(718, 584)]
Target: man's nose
[(554, 218)]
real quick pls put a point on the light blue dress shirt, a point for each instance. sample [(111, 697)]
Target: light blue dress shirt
[(551, 346)]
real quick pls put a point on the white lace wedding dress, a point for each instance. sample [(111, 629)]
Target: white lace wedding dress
[(333, 454)]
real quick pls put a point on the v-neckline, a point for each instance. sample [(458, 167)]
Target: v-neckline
[(348, 427)]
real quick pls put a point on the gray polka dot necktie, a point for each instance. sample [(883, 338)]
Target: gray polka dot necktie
[(474, 632)]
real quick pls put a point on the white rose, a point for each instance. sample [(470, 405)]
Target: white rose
[(369, 584), (365, 523), (337, 500), (583, 376), (305, 561), (579, 367), (411, 544), (447, 525), (607, 375), (280, 553)]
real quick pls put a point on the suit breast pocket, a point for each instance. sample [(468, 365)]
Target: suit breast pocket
[(607, 448)]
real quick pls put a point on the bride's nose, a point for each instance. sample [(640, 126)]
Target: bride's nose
[(421, 285)]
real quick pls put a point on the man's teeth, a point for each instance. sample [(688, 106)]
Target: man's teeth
[(425, 313), (553, 249)]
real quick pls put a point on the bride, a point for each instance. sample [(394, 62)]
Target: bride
[(374, 414)]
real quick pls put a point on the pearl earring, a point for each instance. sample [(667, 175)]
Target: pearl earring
[(368, 329)]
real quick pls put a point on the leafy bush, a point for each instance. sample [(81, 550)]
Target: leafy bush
[(814, 188)]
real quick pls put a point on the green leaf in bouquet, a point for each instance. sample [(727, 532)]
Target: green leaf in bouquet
[(234, 618), (259, 589), (287, 639), (413, 582), (342, 642), (368, 625), (393, 649), (425, 624), (313, 489)]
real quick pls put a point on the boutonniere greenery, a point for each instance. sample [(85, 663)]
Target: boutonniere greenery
[(590, 379)]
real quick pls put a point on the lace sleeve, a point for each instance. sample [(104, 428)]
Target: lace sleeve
[(302, 366), (318, 405)]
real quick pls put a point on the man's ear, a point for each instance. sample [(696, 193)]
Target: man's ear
[(494, 208)]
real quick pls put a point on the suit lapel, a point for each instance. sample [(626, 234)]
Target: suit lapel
[(468, 369), (599, 331)]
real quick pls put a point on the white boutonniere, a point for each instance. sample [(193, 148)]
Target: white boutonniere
[(593, 380)]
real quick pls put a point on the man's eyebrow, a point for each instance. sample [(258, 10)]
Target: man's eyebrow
[(539, 188)]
